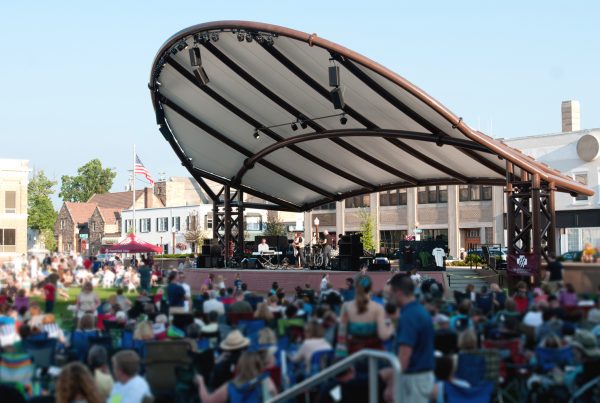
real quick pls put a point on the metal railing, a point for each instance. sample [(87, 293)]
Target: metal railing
[(373, 357)]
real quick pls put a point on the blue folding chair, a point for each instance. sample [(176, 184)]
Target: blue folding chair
[(475, 394), (320, 360), (80, 343), (471, 368), (249, 327), (549, 358)]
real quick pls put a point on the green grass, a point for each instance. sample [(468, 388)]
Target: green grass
[(65, 317)]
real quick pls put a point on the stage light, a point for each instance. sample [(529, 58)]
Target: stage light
[(195, 57), (201, 75), (334, 76), (256, 134), (205, 37), (214, 36), (343, 120), (182, 45), (303, 124), (337, 98), (260, 39), (240, 36), (294, 126), (248, 37), (270, 40)]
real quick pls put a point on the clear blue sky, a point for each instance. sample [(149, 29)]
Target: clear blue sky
[(74, 73)]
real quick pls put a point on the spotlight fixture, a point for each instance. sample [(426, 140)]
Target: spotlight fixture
[(303, 124), (294, 126), (334, 76), (337, 98), (343, 120), (248, 37), (240, 36), (201, 75), (270, 40), (205, 37), (256, 134), (195, 57), (214, 36), (182, 45)]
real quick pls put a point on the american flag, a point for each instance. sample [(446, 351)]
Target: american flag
[(139, 168)]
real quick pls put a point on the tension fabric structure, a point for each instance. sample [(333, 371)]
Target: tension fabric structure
[(133, 245), (251, 108)]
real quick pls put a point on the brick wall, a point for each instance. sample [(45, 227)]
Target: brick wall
[(64, 234), (96, 230)]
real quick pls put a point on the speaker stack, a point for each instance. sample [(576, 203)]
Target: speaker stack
[(351, 249)]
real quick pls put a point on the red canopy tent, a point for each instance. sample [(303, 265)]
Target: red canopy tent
[(133, 245)]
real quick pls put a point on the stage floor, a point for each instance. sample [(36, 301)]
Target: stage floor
[(261, 280)]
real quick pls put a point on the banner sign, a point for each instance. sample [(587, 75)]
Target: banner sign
[(523, 264)]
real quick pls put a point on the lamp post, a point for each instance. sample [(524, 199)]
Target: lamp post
[(316, 222), (173, 232)]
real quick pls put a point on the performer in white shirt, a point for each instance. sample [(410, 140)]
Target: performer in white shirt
[(299, 246), (439, 254), (263, 246)]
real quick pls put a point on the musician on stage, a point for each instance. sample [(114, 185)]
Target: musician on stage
[(326, 243), (263, 246), (299, 245)]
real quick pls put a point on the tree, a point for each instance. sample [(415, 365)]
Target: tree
[(195, 235), (91, 178), (40, 211), (367, 228), (274, 227)]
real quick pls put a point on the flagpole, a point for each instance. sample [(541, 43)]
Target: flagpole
[(133, 189)]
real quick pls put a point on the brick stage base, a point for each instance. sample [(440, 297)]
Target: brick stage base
[(261, 280)]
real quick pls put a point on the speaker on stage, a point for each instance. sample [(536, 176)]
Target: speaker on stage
[(335, 263), (349, 263), (251, 263), (206, 250)]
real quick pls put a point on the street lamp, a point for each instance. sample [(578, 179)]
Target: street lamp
[(316, 222), (174, 232)]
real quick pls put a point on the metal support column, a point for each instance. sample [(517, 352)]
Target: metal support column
[(227, 219), (510, 209), (536, 241), (551, 246), (240, 218)]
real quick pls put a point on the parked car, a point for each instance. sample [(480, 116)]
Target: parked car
[(572, 256)]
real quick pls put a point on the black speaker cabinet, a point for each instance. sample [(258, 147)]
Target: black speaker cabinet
[(206, 250), (349, 263), (251, 263)]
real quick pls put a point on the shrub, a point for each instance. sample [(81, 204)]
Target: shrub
[(174, 256)]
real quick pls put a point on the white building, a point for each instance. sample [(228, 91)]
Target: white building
[(14, 178), (167, 226), (576, 153)]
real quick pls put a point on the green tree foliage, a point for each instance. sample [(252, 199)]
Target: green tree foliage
[(41, 214), (367, 228), (91, 178), (274, 227), (48, 238)]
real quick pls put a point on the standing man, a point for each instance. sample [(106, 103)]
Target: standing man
[(299, 245), (326, 242), (415, 338), (187, 304), (145, 272), (554, 273)]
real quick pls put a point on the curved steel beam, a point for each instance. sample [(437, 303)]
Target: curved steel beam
[(336, 134)]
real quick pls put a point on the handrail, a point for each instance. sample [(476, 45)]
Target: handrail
[(333, 370)]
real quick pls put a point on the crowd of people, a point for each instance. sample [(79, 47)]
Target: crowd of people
[(245, 346)]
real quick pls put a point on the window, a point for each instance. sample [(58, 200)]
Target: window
[(390, 239), (358, 201), (10, 201), (145, 225), (583, 179), (176, 223), (253, 223), (489, 235), (474, 192), (128, 225), (94, 226), (432, 194), (62, 223), (394, 197), (326, 206), (8, 239), (191, 222), (208, 221), (162, 224), (434, 235)]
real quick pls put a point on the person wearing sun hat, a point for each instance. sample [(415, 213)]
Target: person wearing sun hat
[(232, 347), (587, 356)]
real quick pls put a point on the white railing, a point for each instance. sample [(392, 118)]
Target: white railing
[(373, 357)]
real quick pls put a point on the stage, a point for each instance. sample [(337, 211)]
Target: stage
[(261, 280)]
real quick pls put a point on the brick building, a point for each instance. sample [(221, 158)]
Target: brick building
[(13, 208)]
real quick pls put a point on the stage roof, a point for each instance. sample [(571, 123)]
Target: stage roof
[(249, 80)]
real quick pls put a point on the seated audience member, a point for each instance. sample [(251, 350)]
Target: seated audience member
[(143, 331), (444, 372), (594, 313), (462, 320), (212, 304), (87, 322), (52, 329), (498, 297), (534, 317), (552, 324), (314, 340), (21, 300), (264, 313), (98, 363), (159, 328), (130, 387), (567, 297), (446, 339), (509, 318), (521, 297), (249, 382), (240, 305), (122, 301), (225, 367), (484, 301), (587, 358), (75, 383), (212, 325)]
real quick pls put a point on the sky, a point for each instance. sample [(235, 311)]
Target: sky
[(74, 74)]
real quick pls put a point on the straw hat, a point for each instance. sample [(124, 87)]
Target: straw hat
[(585, 341), (234, 341)]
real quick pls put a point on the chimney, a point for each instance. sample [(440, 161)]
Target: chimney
[(570, 116), (147, 197)]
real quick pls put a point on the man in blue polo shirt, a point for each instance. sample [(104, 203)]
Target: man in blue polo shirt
[(415, 339)]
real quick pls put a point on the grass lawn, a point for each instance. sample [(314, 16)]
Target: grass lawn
[(64, 316)]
